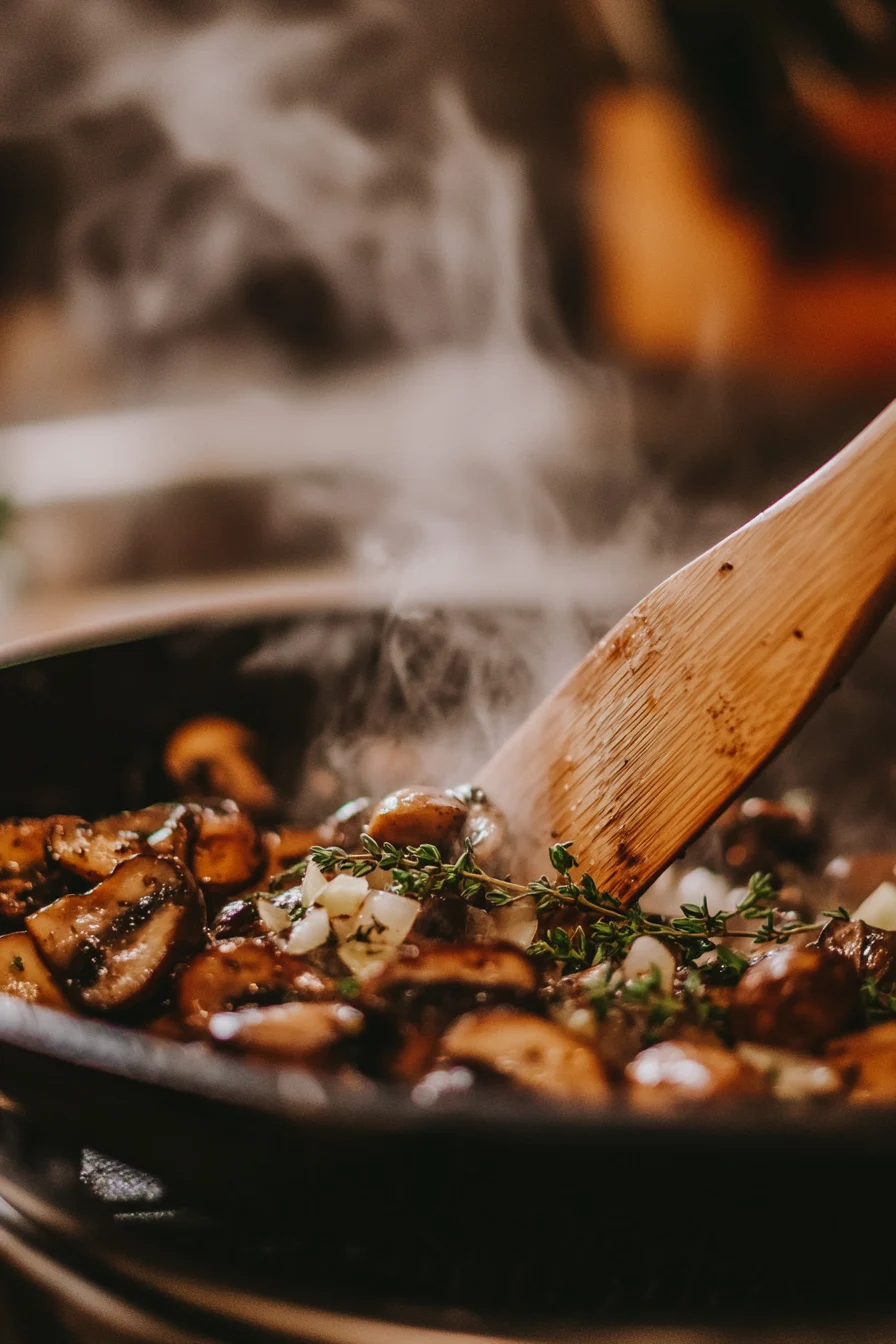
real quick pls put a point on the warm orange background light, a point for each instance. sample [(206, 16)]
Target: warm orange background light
[(682, 274)]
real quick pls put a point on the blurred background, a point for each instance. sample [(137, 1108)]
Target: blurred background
[(280, 278), (318, 301)]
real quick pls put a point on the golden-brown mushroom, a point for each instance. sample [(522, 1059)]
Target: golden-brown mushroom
[(92, 850), (871, 951), (529, 1052), (428, 985), (487, 830), (112, 947), (241, 973), (216, 755), (689, 1071), (228, 854), (487, 966), (306, 1032), (28, 878), (795, 997), (868, 1058), (418, 816), (758, 835), (24, 976)]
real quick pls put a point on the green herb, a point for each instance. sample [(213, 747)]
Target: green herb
[(349, 988), (17, 964), (608, 926), (877, 1005), (647, 1006)]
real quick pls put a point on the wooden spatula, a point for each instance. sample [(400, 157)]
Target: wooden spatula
[(666, 719)]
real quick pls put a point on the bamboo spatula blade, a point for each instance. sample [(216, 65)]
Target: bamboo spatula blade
[(683, 701)]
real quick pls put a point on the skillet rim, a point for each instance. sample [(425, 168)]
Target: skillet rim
[(292, 1094)]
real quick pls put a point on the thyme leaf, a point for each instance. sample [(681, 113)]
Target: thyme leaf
[(607, 926)]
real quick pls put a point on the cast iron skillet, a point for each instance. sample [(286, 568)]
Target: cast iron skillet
[(495, 1206)]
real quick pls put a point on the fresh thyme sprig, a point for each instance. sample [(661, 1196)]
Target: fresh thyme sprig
[(878, 1005), (610, 927)]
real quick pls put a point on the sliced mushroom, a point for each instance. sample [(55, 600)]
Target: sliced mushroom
[(428, 986), (113, 946), (527, 1051), (868, 1058), (871, 951), (238, 919), (288, 845), (22, 845), (482, 965), (216, 755), (93, 850), (689, 1071), (758, 835), (24, 976), (487, 830), (795, 997), (246, 973), (418, 816), (300, 1031), (28, 879), (345, 826), (228, 854)]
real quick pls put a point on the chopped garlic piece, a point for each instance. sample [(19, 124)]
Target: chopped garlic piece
[(314, 883), (647, 954), (365, 959), (344, 895), (395, 914), (310, 932), (272, 916), (517, 922), (479, 924), (879, 909), (700, 883), (373, 937)]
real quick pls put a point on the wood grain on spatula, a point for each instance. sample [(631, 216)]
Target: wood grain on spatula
[(672, 713)]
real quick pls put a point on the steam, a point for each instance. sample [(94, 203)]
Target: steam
[(261, 187), (253, 192)]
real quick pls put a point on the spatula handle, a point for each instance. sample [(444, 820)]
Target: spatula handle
[(672, 713)]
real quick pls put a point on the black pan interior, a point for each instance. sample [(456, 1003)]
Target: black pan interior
[(498, 1210)]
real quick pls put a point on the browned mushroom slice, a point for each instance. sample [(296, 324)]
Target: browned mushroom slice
[(27, 878), (216, 755), (93, 850), (300, 1031), (418, 816), (871, 951), (429, 985), (689, 1071), (486, 828), (114, 945), (288, 845), (795, 997), (868, 1058), (24, 975), (757, 835), (239, 918), (484, 965), (243, 973), (227, 854), (22, 845), (529, 1052), (345, 826)]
